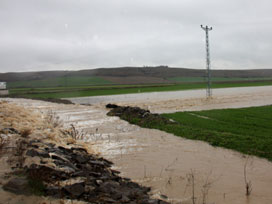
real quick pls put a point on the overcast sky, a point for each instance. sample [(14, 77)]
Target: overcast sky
[(78, 34)]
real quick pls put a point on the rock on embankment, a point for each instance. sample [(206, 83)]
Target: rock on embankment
[(86, 177), (63, 170), (137, 115)]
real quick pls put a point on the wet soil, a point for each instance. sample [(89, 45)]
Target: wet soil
[(53, 100)]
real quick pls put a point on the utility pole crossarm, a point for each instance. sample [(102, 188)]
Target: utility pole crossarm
[(206, 28)]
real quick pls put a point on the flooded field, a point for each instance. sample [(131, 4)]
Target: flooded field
[(175, 168), (165, 102)]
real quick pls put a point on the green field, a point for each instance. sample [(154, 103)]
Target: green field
[(78, 81), (247, 130), (80, 86), (76, 91), (59, 82), (216, 79)]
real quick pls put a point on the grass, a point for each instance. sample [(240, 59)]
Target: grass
[(66, 92), (247, 130), (60, 92), (79, 81), (58, 82), (217, 79)]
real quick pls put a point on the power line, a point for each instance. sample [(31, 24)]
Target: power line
[(208, 62)]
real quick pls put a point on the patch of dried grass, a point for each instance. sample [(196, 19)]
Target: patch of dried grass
[(26, 132), (3, 143), (53, 119), (27, 122)]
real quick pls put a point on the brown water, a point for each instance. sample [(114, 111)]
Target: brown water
[(165, 162), (173, 101)]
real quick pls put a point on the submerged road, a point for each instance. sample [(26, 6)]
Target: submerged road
[(166, 162)]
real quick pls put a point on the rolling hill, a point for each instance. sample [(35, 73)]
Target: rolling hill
[(127, 75)]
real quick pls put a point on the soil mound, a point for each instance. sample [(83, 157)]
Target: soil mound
[(136, 115)]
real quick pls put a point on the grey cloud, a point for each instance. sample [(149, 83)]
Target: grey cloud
[(75, 34)]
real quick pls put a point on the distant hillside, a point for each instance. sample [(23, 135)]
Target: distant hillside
[(165, 72), (127, 75)]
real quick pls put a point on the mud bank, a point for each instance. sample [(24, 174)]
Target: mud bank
[(165, 162)]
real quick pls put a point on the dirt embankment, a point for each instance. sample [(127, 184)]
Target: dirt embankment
[(136, 115), (41, 158), (53, 100)]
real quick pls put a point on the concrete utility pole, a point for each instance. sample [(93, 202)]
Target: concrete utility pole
[(208, 62)]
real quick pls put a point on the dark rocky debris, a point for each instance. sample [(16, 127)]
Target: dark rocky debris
[(18, 185), (83, 176), (136, 115), (112, 106), (56, 100)]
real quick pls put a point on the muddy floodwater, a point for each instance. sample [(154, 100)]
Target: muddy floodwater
[(165, 102), (168, 163)]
